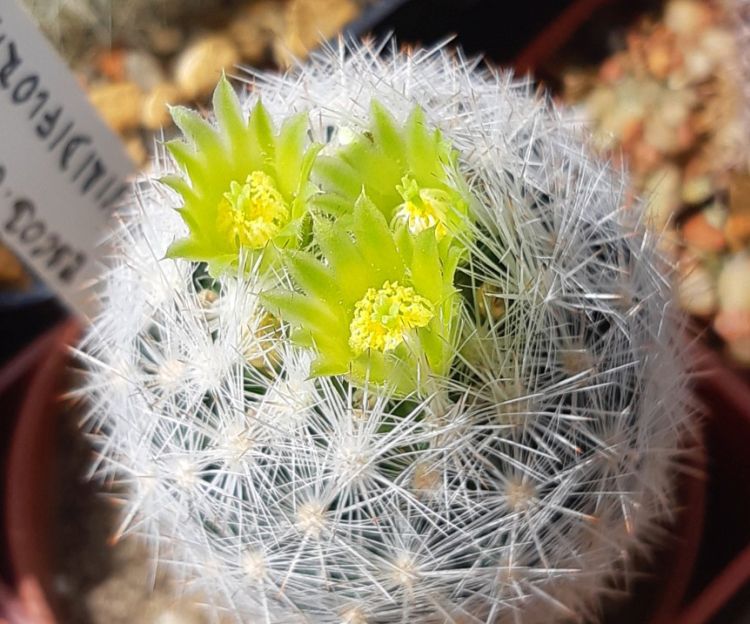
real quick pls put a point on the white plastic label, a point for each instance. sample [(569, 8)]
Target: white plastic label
[(62, 171)]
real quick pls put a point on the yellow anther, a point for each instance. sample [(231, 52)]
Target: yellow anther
[(383, 317), (423, 208), (252, 213)]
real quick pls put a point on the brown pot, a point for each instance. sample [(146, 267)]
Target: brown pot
[(33, 381)]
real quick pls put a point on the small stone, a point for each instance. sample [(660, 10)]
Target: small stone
[(661, 136), (599, 102), (254, 27), (697, 66), (737, 231), (12, 274), (143, 69), (577, 83), (732, 285), (198, 68), (686, 17), (164, 40), (662, 188), (136, 150), (309, 23), (118, 103), (700, 235), (696, 291), (645, 157), (111, 64), (612, 69), (659, 60), (739, 193), (733, 325), (739, 350), (155, 113), (697, 189), (718, 44)]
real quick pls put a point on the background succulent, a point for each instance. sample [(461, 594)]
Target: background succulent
[(515, 488)]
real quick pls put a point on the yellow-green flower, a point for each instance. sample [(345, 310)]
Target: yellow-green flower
[(409, 172), (374, 306), (384, 317), (246, 187)]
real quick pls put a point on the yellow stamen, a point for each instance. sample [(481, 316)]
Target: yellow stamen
[(383, 317), (252, 213), (423, 208)]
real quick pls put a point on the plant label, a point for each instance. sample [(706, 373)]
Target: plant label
[(62, 171)]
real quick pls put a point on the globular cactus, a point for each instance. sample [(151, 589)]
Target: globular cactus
[(435, 376)]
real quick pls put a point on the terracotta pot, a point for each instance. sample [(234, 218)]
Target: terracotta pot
[(32, 381), (30, 503)]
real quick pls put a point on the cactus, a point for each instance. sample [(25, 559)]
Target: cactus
[(473, 417)]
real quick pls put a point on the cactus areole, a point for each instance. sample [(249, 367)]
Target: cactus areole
[(382, 344)]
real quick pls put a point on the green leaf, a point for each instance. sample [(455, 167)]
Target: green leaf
[(426, 273), (346, 261), (300, 310), (260, 128), (386, 132), (290, 151), (338, 176), (313, 277), (376, 241), (229, 113), (196, 129)]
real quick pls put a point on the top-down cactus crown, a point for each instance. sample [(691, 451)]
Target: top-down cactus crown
[(387, 347)]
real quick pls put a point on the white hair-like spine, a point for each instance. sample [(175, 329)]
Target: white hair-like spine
[(515, 492)]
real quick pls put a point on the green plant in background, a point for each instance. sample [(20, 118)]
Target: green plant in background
[(380, 309), (245, 188)]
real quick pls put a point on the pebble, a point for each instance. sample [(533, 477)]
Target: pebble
[(696, 290), (612, 69), (733, 325), (686, 17), (254, 27), (118, 103), (697, 66), (155, 112), (718, 44), (697, 189), (739, 193), (659, 60), (12, 274), (164, 40), (700, 235), (662, 188), (198, 68), (110, 64), (732, 285), (740, 351), (308, 23), (661, 136), (136, 150), (737, 232), (143, 69)]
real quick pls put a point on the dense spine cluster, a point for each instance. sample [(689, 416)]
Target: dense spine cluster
[(513, 485)]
